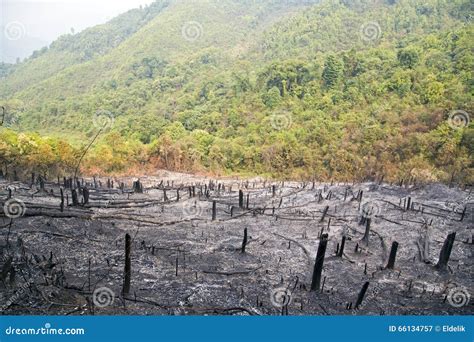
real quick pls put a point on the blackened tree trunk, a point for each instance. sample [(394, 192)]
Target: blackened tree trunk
[(361, 295), (244, 242), (214, 210), (128, 267), (61, 206), (318, 265), (446, 251), (367, 231), (85, 194), (341, 248), (393, 255), (74, 197)]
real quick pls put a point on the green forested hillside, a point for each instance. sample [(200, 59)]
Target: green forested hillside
[(327, 90)]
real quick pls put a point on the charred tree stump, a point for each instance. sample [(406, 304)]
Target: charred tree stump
[(446, 251), (273, 190), (393, 255), (128, 268), (74, 197), (41, 182), (85, 194), (244, 242), (318, 265), (367, 231), (247, 204), (241, 199), (341, 248), (361, 295), (214, 210), (177, 263), (137, 187), (61, 206)]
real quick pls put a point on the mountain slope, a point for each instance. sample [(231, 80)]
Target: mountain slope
[(332, 89), (69, 50)]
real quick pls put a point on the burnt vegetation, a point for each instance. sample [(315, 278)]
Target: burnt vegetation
[(178, 244)]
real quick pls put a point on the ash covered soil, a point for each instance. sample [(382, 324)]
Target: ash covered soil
[(183, 262)]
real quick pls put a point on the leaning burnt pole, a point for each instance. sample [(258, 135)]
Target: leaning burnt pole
[(128, 268), (318, 265), (361, 295)]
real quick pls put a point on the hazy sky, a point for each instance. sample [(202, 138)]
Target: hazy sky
[(29, 25)]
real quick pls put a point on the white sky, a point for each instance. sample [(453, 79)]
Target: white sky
[(43, 21)]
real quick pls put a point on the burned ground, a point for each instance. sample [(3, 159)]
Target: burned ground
[(184, 261)]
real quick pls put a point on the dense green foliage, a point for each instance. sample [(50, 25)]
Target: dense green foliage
[(336, 90)]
